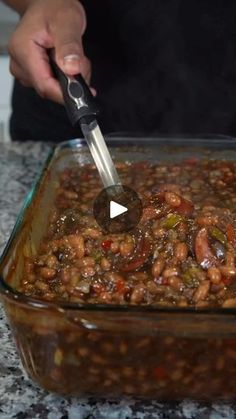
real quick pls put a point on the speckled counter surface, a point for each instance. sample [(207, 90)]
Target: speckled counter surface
[(19, 397)]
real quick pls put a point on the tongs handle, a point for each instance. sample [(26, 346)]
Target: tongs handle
[(79, 101)]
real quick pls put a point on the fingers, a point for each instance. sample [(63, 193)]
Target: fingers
[(32, 69), (17, 72), (41, 75), (46, 25)]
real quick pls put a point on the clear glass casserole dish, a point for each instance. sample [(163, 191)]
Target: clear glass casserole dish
[(110, 350)]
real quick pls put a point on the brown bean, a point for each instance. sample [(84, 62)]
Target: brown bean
[(201, 368), (207, 220), (86, 261), (55, 374), (170, 272), (98, 359), (126, 248), (113, 375), (228, 271), (47, 273), (76, 241), (105, 297), (88, 271), (158, 232), (51, 261), (83, 351), (129, 389), (220, 363), (42, 286), (230, 302), (143, 343), (158, 267), (31, 278), (114, 277), (108, 347), (49, 296), (177, 375), (69, 194), (229, 259), (149, 213), (181, 251), (123, 348), (84, 208), (187, 379), (172, 199), (137, 294), (175, 283), (214, 275), (127, 372), (169, 187), (93, 233), (115, 247), (231, 353), (65, 276), (153, 288), (108, 382), (182, 302), (105, 264), (202, 291)]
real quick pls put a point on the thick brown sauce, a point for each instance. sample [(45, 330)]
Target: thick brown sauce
[(181, 254)]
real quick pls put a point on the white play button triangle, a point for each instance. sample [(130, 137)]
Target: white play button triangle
[(116, 209)]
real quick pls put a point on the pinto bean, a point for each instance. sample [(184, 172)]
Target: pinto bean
[(105, 264), (47, 273), (42, 286), (69, 194), (158, 232), (170, 272), (76, 242), (85, 261), (94, 233), (88, 271), (172, 199), (231, 302), (175, 282), (229, 259), (207, 220), (158, 267), (51, 261), (137, 294), (202, 291), (228, 271), (214, 275), (181, 251), (126, 248), (115, 247)]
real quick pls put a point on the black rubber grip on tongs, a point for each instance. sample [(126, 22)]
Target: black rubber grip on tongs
[(79, 101)]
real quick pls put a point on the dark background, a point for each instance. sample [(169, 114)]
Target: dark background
[(159, 66)]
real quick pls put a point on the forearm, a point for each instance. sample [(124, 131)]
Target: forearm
[(18, 5)]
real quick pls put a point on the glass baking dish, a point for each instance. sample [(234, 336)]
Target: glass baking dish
[(107, 350)]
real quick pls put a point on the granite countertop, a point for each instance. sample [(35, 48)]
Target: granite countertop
[(20, 397)]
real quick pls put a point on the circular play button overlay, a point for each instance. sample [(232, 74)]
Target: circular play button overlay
[(117, 209)]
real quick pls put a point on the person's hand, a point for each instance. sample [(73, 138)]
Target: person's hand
[(58, 24)]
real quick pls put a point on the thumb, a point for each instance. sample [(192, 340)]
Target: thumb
[(69, 53), (69, 50)]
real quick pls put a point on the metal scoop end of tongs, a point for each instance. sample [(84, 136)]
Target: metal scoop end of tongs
[(82, 109)]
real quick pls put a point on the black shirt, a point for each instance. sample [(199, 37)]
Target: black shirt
[(158, 67)]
